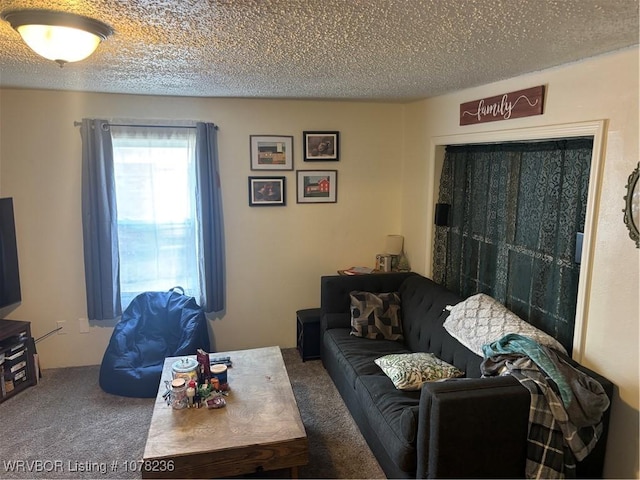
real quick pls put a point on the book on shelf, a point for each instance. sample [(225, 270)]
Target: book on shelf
[(358, 271)]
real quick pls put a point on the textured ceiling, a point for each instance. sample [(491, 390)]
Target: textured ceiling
[(338, 49)]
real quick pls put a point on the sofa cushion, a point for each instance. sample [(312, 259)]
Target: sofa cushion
[(376, 315), (408, 371), (481, 319), (423, 313), (356, 355), (394, 414)]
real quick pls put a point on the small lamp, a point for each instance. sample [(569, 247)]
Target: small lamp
[(59, 36), (394, 244)]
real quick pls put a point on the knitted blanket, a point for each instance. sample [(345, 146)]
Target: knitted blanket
[(566, 405)]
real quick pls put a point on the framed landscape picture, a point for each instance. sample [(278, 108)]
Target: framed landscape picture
[(271, 152), (267, 191), (317, 186), (321, 146)]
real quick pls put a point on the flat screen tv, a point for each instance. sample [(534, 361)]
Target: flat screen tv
[(9, 273)]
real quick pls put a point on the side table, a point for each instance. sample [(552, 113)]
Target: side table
[(308, 333)]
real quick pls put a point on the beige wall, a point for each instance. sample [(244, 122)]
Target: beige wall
[(603, 88), (275, 255)]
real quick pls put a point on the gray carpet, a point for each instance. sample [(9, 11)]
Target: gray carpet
[(67, 427)]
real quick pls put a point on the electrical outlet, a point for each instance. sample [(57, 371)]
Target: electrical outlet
[(62, 325), (83, 324)]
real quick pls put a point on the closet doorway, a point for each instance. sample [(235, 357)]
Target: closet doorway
[(593, 131)]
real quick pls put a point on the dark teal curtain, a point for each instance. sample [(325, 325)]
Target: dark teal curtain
[(99, 221), (210, 217), (515, 211)]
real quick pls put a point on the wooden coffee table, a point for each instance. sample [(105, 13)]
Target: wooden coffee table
[(260, 428)]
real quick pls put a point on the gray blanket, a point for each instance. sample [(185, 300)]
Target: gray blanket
[(566, 405)]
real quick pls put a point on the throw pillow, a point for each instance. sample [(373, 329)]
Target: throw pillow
[(376, 315), (481, 319), (409, 371)]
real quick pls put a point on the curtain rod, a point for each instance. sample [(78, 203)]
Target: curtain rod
[(77, 124)]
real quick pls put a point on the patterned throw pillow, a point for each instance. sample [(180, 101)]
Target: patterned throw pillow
[(408, 371), (481, 319), (376, 315)]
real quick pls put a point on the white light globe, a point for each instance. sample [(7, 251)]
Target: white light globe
[(60, 44)]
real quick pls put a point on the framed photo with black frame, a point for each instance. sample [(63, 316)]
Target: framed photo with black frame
[(267, 191), (271, 152), (317, 186), (321, 146)]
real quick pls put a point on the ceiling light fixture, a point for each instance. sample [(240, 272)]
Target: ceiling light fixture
[(59, 36)]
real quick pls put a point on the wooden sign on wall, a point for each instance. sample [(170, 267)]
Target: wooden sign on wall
[(522, 103)]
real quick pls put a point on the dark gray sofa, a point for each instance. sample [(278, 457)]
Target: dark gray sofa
[(463, 428)]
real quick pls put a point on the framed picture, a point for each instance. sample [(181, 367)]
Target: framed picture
[(321, 146), (271, 152), (317, 186), (267, 191)]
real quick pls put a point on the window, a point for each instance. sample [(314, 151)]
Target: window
[(155, 180), (171, 212)]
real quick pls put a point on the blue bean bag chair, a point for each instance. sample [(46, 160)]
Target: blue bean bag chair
[(154, 326)]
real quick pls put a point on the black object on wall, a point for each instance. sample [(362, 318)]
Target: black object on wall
[(442, 214), (9, 273)]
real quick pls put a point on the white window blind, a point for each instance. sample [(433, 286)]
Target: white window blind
[(156, 198)]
